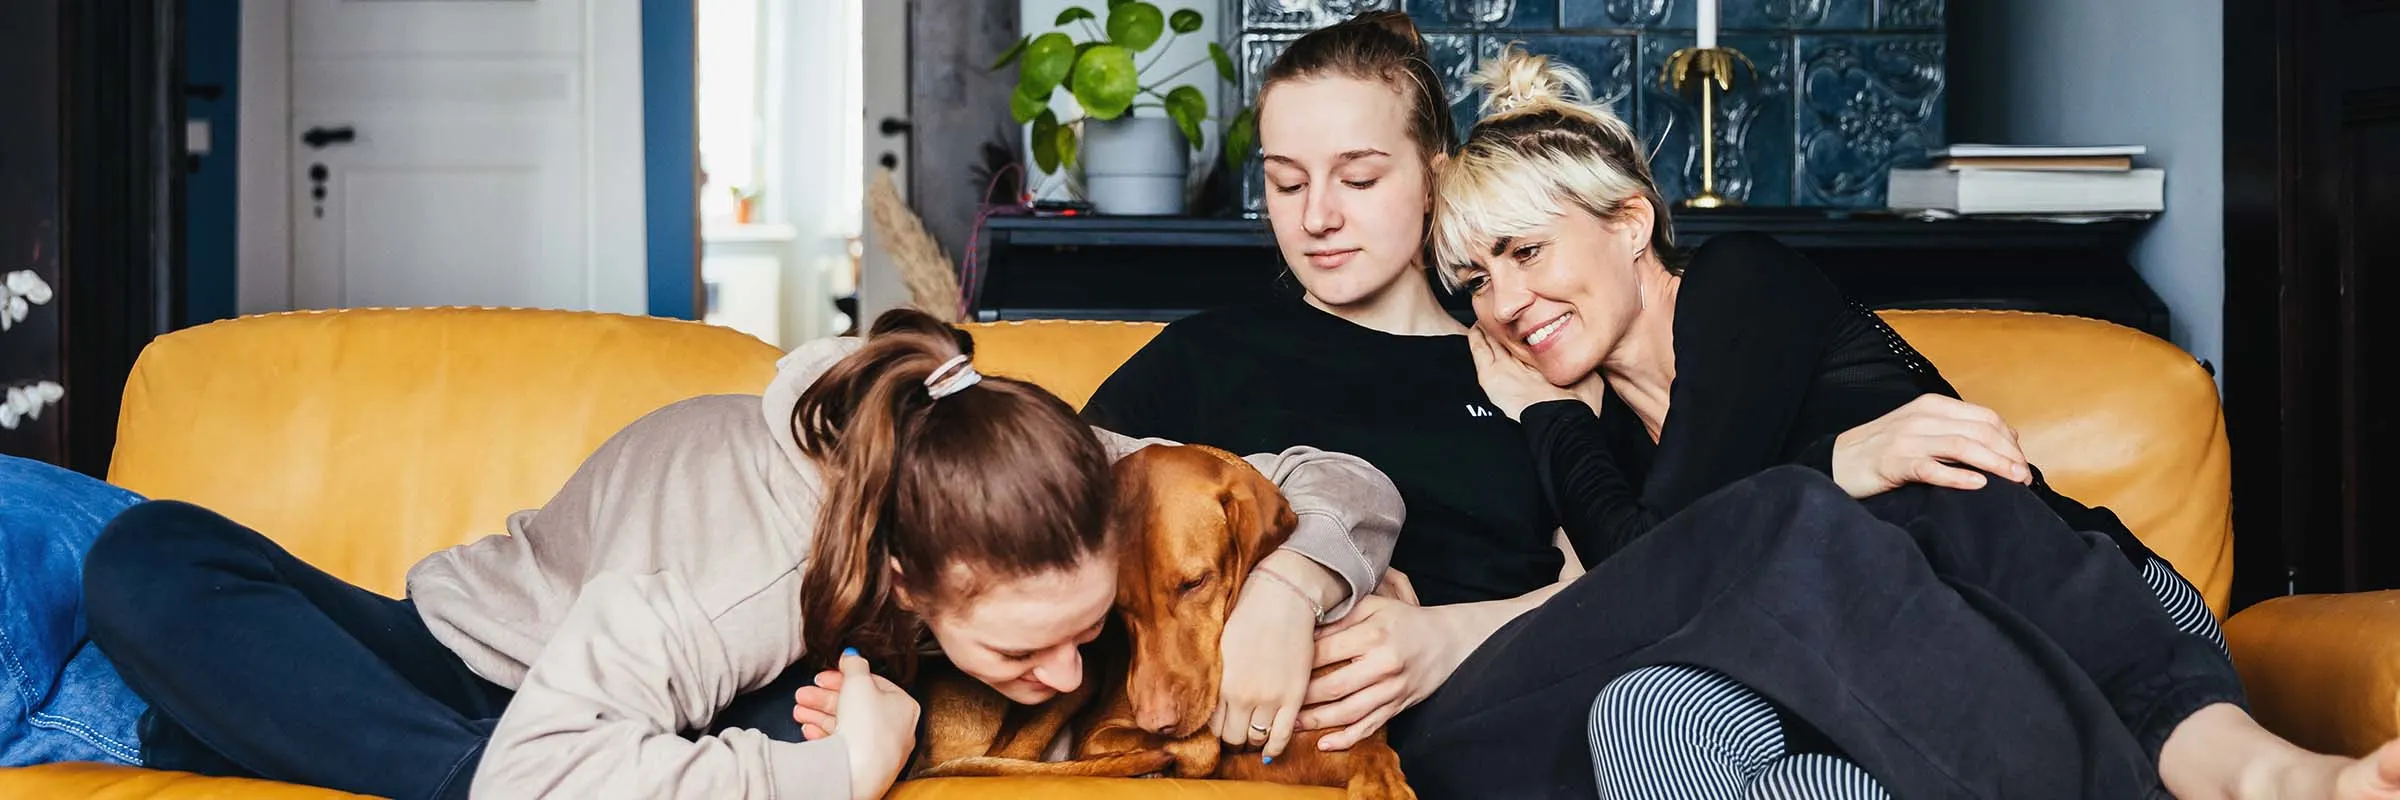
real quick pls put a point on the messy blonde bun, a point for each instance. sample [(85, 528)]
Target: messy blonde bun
[(1543, 148), (1521, 80), (1520, 83)]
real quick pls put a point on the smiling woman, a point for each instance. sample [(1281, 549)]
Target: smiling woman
[(1588, 331)]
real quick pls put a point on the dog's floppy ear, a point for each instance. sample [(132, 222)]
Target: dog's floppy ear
[(1255, 511)]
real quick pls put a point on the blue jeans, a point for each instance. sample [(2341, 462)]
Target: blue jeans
[(60, 699)]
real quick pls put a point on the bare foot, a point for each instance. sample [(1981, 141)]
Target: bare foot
[(2376, 777), (2313, 776)]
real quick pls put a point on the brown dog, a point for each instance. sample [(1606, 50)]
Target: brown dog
[(1193, 522)]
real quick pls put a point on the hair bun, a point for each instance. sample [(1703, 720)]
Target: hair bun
[(1518, 80), (1396, 23)]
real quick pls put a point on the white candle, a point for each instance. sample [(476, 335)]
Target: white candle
[(1708, 23)]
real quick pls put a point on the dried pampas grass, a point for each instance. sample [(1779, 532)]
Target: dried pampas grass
[(931, 278)]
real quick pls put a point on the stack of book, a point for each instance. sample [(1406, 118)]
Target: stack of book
[(2030, 181)]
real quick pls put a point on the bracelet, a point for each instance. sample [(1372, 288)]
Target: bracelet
[(1316, 612)]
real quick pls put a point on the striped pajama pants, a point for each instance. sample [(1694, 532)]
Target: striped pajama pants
[(1686, 732)]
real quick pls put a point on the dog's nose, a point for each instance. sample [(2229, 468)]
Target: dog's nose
[(1158, 718)]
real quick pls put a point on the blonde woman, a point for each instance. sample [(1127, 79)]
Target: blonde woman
[(1911, 591)]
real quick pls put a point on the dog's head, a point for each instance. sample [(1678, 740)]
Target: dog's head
[(1193, 522)]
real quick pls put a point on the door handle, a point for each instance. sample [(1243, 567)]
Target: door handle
[(320, 137)]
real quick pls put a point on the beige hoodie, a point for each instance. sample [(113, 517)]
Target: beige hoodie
[(664, 579)]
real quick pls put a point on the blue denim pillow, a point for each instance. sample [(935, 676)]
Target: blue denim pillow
[(60, 699)]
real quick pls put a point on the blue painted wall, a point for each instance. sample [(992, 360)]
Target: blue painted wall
[(2146, 72), (670, 123), (212, 42)]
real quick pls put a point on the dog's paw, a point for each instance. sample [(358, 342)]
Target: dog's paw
[(1144, 763), (1376, 784)]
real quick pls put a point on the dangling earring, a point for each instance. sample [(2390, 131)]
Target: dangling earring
[(1638, 295)]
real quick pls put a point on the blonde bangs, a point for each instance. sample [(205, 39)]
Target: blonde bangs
[(1489, 192), (1484, 195)]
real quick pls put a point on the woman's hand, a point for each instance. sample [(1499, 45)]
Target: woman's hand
[(815, 707), (1514, 385), (878, 720), (1395, 585), (1397, 654), (1928, 441), (1268, 642)]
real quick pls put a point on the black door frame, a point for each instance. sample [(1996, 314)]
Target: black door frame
[(121, 159), (2299, 338)]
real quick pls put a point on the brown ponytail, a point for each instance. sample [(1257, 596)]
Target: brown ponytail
[(1000, 479)]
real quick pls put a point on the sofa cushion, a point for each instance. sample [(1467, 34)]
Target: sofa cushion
[(1071, 358), (107, 782), (362, 440)]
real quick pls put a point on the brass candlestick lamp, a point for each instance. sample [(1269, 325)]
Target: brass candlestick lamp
[(1713, 66)]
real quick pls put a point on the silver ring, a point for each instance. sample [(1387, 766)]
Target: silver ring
[(1259, 728)]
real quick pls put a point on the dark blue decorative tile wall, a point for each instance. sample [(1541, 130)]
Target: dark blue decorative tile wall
[(1298, 15), (1795, 14), (1844, 88), (1454, 58), (1626, 14), (1512, 15), (1865, 102), (1906, 14)]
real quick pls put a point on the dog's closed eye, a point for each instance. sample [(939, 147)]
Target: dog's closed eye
[(1191, 585)]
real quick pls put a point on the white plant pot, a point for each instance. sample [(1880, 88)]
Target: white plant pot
[(1135, 165)]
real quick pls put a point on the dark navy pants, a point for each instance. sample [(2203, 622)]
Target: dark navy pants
[(1952, 644), (259, 665)]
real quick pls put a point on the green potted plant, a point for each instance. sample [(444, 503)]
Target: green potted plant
[(1131, 164)]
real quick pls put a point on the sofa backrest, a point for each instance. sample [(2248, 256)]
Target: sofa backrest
[(363, 440), (2113, 416)]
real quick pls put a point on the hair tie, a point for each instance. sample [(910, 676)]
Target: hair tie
[(954, 376)]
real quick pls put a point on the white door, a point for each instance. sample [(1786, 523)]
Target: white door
[(466, 152)]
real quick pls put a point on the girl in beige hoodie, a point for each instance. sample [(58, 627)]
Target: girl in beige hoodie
[(878, 496)]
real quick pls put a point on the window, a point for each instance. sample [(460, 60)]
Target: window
[(779, 107), (729, 71)]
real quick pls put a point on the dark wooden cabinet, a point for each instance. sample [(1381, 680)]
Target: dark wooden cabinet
[(2312, 238), (90, 207), (1164, 268)]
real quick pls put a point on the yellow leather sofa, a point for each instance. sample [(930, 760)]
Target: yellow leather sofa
[(364, 439)]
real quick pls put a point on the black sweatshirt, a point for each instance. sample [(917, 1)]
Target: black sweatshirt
[(1265, 377), (1771, 364)]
